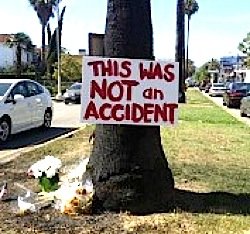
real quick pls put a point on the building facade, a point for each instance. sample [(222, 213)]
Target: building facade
[(8, 55), (233, 67)]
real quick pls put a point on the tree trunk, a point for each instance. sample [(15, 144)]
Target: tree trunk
[(180, 47), (43, 48), (18, 60), (49, 66), (49, 33), (188, 30), (43, 43), (128, 165)]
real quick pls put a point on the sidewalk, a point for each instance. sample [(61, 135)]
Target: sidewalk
[(234, 112), (6, 155)]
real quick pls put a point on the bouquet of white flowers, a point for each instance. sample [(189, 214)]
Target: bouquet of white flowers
[(47, 172)]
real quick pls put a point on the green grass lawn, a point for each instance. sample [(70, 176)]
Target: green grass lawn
[(209, 151), (209, 154)]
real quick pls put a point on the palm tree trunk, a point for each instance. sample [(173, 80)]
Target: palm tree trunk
[(129, 168), (49, 33), (19, 60), (188, 30), (43, 45), (180, 47)]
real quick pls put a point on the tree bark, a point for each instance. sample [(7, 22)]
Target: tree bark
[(49, 33), (188, 29), (18, 60), (43, 43), (43, 48), (180, 47), (129, 168)]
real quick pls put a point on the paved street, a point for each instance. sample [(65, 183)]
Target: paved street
[(66, 118)]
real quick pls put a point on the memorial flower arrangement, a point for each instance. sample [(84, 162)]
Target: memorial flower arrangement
[(46, 171)]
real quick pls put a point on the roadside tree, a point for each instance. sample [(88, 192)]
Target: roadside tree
[(244, 47), (44, 10), (52, 56), (71, 68), (128, 165), (202, 73), (191, 7), (190, 67)]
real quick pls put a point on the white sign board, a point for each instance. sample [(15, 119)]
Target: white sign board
[(129, 91)]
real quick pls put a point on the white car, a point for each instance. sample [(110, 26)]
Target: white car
[(24, 104), (217, 89)]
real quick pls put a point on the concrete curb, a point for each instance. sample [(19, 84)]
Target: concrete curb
[(7, 157)]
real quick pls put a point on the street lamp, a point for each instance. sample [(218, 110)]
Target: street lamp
[(59, 91)]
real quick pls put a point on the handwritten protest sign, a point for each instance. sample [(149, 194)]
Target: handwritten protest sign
[(129, 91)]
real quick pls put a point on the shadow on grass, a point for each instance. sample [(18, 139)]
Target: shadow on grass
[(213, 202)]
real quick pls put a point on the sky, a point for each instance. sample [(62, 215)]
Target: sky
[(215, 31)]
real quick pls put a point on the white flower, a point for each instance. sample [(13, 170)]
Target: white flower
[(35, 170), (50, 172), (49, 165)]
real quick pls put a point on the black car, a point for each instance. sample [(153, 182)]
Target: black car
[(234, 93), (73, 94)]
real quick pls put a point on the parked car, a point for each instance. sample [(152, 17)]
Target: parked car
[(234, 93), (73, 94), (207, 88), (190, 82), (203, 85), (24, 104), (217, 89), (245, 106)]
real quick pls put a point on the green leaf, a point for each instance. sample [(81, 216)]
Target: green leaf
[(49, 184)]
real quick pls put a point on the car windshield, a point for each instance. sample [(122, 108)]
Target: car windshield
[(75, 87), (3, 88), (246, 87), (240, 86)]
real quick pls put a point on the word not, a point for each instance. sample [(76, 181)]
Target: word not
[(105, 91)]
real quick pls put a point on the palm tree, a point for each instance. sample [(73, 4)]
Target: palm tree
[(190, 68), (244, 47), (52, 56), (44, 10), (180, 47), (20, 41), (191, 7), (128, 165)]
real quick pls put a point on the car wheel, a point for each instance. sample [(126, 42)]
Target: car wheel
[(229, 105), (4, 130), (66, 102), (242, 114), (47, 119)]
